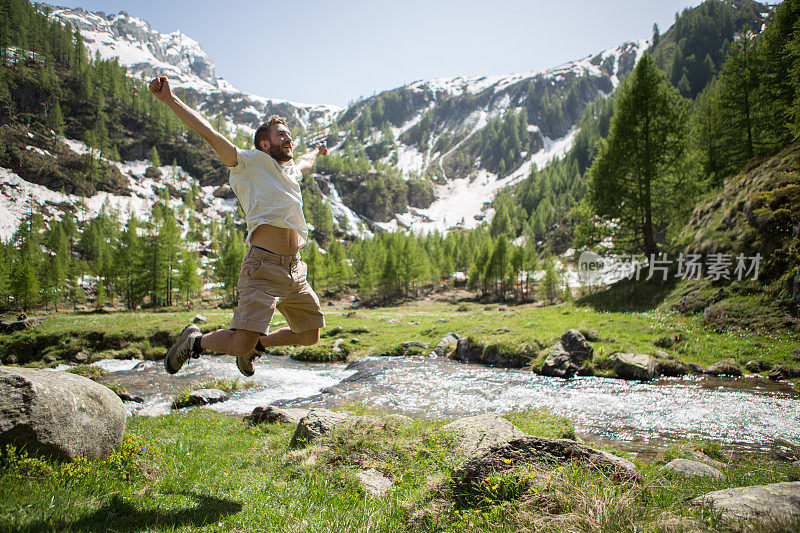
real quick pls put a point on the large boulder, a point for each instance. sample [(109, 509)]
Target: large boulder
[(59, 415), (270, 414), (567, 356), (781, 372), (470, 351), (21, 324), (726, 367), (316, 423), (475, 433), (690, 468), (441, 347), (632, 365), (669, 367), (758, 365), (776, 501), (528, 449)]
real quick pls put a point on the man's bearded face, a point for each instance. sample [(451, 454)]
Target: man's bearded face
[(280, 143)]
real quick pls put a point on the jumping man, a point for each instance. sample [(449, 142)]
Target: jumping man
[(266, 181)]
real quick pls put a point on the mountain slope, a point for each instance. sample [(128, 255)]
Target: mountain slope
[(430, 155), (436, 132), (146, 52)]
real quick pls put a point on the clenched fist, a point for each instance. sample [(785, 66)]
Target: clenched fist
[(160, 87)]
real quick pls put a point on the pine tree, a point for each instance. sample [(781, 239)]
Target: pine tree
[(55, 119), (25, 286), (316, 275), (548, 289), (737, 101), (388, 279), (153, 157), (634, 177), (189, 281), (231, 255), (127, 261)]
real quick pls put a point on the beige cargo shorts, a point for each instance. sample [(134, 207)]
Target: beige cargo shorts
[(268, 281)]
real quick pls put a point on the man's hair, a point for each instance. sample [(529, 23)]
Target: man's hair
[(262, 133)]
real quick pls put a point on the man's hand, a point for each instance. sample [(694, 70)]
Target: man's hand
[(306, 161), (160, 88)]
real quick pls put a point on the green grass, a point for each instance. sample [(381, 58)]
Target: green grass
[(382, 330), (204, 471)]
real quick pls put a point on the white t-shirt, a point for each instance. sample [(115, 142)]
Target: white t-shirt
[(269, 192)]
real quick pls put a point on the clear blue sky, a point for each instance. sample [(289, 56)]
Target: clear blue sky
[(332, 52)]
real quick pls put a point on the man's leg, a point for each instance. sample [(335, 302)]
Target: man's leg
[(235, 342), (287, 337)]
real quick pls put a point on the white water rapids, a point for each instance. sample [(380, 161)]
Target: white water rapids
[(745, 414)]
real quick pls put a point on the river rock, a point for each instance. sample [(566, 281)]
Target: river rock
[(778, 501), (781, 372), (475, 433), (23, 324), (208, 396), (270, 414), (757, 365), (337, 345), (695, 368), (58, 414), (316, 423), (669, 367), (567, 356), (374, 483), (726, 367), (527, 449), (127, 397), (690, 468), (470, 351), (632, 365), (441, 347)]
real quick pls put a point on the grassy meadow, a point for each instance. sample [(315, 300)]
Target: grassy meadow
[(380, 331), (204, 471)]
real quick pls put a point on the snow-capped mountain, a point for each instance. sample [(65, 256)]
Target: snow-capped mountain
[(145, 51), (460, 110), (436, 130)]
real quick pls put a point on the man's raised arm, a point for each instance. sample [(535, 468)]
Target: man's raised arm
[(306, 161), (195, 121)]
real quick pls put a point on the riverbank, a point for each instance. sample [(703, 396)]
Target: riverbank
[(529, 328), (204, 471)]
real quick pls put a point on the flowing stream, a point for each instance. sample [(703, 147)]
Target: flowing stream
[(743, 415)]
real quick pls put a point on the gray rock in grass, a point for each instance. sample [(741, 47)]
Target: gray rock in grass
[(690, 468), (58, 414)]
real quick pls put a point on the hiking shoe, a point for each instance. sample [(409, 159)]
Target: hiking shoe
[(181, 350), (245, 364)]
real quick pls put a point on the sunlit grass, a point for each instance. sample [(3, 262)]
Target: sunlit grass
[(204, 471)]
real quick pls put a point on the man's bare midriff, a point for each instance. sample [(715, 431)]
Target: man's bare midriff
[(281, 241)]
